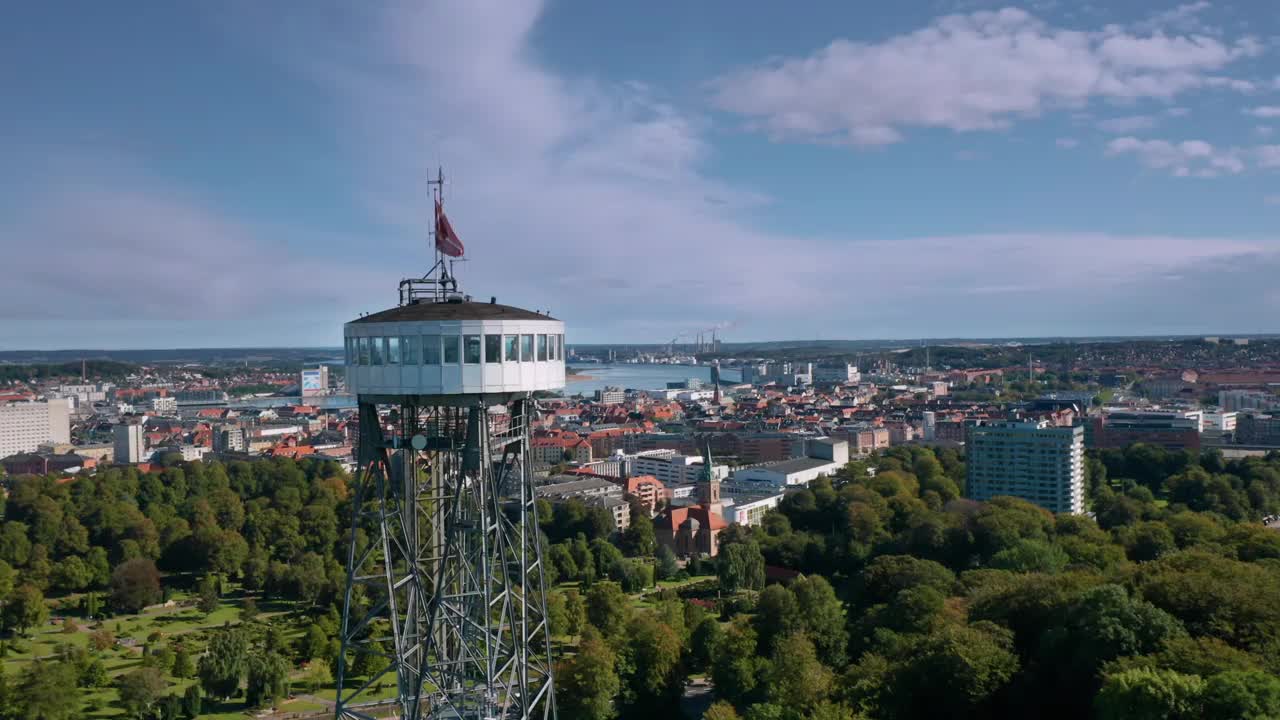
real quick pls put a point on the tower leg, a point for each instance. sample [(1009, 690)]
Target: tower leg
[(445, 583)]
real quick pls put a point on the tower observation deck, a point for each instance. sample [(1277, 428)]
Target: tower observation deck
[(445, 592)]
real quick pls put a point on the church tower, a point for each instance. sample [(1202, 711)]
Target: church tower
[(709, 485)]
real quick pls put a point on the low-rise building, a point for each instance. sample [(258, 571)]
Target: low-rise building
[(748, 509), (1172, 430), (825, 457)]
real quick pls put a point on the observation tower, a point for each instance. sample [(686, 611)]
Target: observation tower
[(445, 598)]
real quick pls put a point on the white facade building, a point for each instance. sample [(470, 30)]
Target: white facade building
[(796, 472), (130, 443), (1030, 460), (611, 396), (165, 405), (750, 509), (25, 425), (842, 373), (672, 468)]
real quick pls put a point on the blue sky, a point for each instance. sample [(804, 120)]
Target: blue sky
[(242, 173)]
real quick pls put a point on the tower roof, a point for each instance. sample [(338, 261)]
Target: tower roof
[(427, 311)]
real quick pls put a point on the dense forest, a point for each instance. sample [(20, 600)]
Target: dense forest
[(880, 594), (93, 369)]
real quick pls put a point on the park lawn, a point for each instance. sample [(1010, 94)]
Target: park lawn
[(387, 692), (300, 705)]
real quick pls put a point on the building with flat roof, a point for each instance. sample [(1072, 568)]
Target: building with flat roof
[(24, 426), (750, 509), (1258, 429), (1171, 430), (611, 395), (1030, 460), (672, 468), (130, 443), (1229, 400), (825, 456), (592, 492)]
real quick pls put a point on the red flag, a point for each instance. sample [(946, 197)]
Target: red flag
[(447, 240)]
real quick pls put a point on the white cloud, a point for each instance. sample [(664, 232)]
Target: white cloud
[(1272, 200), (1127, 124), (1265, 111), (1262, 130), (1268, 156), (1189, 158), (1240, 86), (585, 197), (151, 253), (1183, 18), (980, 71), (1067, 143)]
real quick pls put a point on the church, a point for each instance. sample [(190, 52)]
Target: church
[(695, 529)]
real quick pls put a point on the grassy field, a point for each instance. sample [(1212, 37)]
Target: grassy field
[(176, 622)]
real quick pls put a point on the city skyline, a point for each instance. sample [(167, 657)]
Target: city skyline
[(253, 176)]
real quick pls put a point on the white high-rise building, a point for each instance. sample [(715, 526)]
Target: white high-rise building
[(130, 443), (1030, 460), (930, 426), (25, 425)]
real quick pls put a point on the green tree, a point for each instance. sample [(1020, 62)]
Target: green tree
[(140, 691), (135, 584), (183, 665), (1150, 694), (822, 615), (313, 644), (191, 702), (208, 592), (608, 608), (318, 675), (1242, 694), (796, 679), (557, 618), (721, 710), (49, 691), (1031, 556), (588, 681), (223, 664), (740, 566), (777, 615), (736, 667), (653, 679), (1103, 624), (25, 609), (248, 610), (639, 540), (667, 566), (575, 612), (706, 637), (7, 576), (956, 667), (267, 679)]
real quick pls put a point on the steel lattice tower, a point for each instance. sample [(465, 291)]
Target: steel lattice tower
[(445, 591)]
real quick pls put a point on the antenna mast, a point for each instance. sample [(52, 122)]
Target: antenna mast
[(439, 284)]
